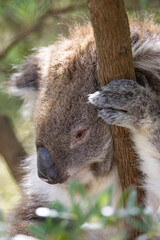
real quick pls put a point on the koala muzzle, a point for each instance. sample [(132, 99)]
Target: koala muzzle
[(47, 171)]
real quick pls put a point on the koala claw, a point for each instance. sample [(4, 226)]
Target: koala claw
[(124, 102)]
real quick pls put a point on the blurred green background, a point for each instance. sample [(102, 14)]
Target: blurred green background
[(27, 24)]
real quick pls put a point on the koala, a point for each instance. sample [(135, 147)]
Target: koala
[(73, 140)]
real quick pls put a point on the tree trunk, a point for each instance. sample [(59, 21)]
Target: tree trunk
[(11, 149), (113, 44)]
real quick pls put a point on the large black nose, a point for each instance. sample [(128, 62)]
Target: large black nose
[(46, 170)]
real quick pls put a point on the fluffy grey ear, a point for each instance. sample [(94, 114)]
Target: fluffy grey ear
[(25, 83), (27, 78)]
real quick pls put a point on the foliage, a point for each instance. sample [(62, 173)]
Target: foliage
[(90, 213)]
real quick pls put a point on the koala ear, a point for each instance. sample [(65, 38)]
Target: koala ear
[(27, 78), (25, 83)]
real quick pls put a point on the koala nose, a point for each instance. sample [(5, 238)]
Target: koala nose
[(46, 170)]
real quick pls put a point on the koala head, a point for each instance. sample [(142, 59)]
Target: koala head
[(71, 140)]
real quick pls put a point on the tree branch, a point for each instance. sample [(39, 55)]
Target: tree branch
[(113, 44), (11, 149)]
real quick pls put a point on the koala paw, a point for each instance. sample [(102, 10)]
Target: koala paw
[(124, 103)]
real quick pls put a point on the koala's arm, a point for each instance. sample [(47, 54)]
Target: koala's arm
[(126, 103), (23, 216)]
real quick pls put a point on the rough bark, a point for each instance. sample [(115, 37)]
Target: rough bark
[(112, 36), (11, 149)]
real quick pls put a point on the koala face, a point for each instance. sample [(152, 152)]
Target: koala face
[(70, 136), (71, 139)]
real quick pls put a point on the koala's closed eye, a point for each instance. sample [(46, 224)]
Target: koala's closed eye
[(79, 136)]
